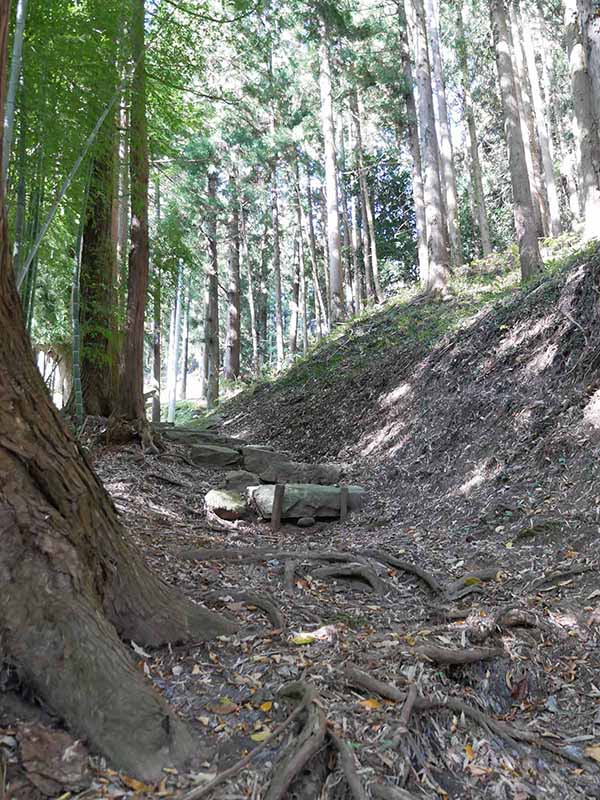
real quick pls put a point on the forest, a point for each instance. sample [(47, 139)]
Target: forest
[(299, 399)]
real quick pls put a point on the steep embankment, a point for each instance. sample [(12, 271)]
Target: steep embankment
[(480, 411)]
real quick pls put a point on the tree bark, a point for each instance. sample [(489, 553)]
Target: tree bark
[(320, 305), (277, 267), (446, 151), (130, 403), (97, 288), (542, 127), (530, 133), (211, 304), (439, 267), (174, 340), (529, 253), (586, 123), (412, 129), (294, 301), (13, 85), (231, 360), (475, 163), (251, 293), (156, 318), (186, 340), (336, 312), (70, 585)]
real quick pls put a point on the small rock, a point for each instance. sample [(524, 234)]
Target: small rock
[(305, 522), (226, 504)]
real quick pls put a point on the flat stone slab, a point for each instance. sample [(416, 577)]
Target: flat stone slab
[(305, 500), (273, 467), (207, 454), (225, 504), (193, 436)]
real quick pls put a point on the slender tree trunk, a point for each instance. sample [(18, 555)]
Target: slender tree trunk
[(231, 361), (186, 340), (211, 313), (439, 267), (366, 252), (131, 379), (174, 343), (60, 531), (530, 133), (294, 301), (412, 128), (333, 219), (251, 292), (277, 267), (76, 383), (446, 152), (475, 163), (320, 307), (156, 318), (263, 304), (531, 261), (13, 85), (366, 198), (123, 213), (586, 124), (21, 209), (544, 135), (301, 222)]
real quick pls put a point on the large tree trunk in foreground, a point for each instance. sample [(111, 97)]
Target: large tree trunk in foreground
[(439, 267), (131, 379), (531, 260), (70, 585), (586, 119)]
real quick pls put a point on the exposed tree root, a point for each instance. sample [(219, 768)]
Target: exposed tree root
[(405, 715), (405, 566), (289, 576), (250, 598), (446, 655), (360, 679), (354, 572), (347, 763), (504, 619), (470, 583), (308, 744), (204, 791)]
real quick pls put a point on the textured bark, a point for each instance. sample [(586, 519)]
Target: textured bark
[(475, 164), (211, 303), (277, 266), (130, 403), (585, 123), (446, 152), (439, 267), (524, 28), (412, 131), (98, 290), (529, 129), (231, 359), (156, 320), (70, 585), (531, 261), (336, 289)]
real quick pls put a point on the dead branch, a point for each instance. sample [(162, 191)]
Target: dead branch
[(407, 709), (446, 655), (356, 572), (347, 762), (405, 566), (309, 742), (204, 791), (250, 598)]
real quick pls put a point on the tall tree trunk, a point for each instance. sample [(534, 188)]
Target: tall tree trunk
[(174, 341), (156, 318), (263, 300), (13, 85), (412, 129), (446, 153), (60, 531), (531, 260), (366, 197), (475, 163), (98, 291), (294, 301), (301, 223), (211, 306), (524, 28), (586, 124), (277, 266), (21, 209), (123, 212), (320, 306), (231, 360), (186, 340), (246, 261), (333, 219), (439, 267), (530, 133), (76, 383), (130, 403)]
